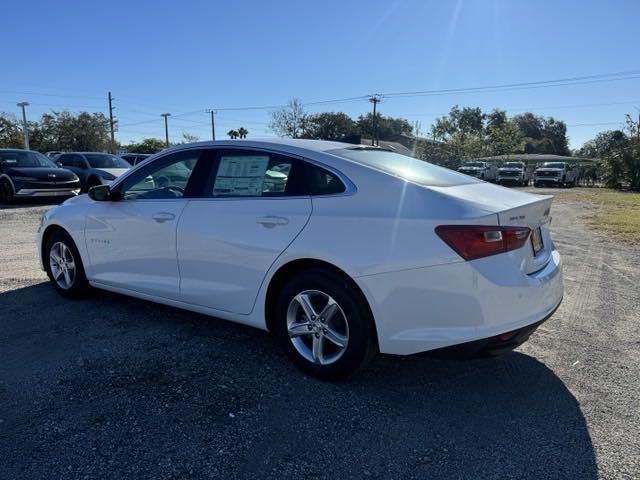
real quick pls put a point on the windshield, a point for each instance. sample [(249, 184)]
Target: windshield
[(553, 165), (104, 160), (473, 164), (402, 166), (26, 158), (513, 165)]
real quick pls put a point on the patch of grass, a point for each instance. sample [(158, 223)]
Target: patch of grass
[(617, 213)]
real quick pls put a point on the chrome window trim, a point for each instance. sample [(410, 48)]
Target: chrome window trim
[(350, 187)]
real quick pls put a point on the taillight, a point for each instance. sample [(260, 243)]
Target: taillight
[(476, 241)]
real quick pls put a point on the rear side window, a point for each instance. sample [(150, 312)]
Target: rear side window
[(322, 182), (402, 166), (256, 174)]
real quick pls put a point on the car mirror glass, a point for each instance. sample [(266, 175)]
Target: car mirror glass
[(100, 193)]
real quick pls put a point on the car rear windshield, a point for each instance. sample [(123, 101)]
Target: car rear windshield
[(25, 159), (104, 160), (406, 167)]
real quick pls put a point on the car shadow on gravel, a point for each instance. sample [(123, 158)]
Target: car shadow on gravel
[(113, 387)]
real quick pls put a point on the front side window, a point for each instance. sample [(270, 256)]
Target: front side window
[(25, 159), (256, 174), (168, 177)]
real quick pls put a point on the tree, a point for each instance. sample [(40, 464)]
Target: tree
[(65, 131), (543, 135), (10, 132), (291, 120), (189, 138), (387, 127), (242, 132), (148, 145), (330, 126), (233, 134)]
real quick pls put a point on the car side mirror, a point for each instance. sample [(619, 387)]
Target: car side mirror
[(101, 193)]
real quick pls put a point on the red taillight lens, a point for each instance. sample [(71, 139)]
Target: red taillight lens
[(476, 241)]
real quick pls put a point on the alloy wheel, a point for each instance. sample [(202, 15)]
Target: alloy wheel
[(62, 265), (317, 327)]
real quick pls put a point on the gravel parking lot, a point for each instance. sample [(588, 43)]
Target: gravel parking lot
[(113, 387)]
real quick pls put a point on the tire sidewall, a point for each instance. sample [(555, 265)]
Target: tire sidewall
[(361, 332), (6, 191), (80, 283)]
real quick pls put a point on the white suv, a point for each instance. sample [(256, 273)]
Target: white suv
[(481, 170)]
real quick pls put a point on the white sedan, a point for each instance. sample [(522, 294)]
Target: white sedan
[(341, 251)]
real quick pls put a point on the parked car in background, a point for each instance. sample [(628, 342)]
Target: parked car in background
[(559, 174), (482, 170), (134, 158), (93, 168), (513, 173), (25, 174), (52, 155), (345, 252)]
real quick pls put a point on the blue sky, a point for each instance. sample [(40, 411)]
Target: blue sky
[(185, 57)]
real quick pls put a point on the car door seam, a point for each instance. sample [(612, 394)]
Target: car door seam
[(280, 254)]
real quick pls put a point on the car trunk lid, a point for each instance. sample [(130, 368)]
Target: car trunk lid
[(512, 208)]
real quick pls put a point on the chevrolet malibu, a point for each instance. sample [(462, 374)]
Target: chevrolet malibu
[(352, 251)]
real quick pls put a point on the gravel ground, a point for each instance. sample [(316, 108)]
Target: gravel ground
[(113, 387)]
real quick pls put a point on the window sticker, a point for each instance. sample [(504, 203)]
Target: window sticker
[(241, 176)]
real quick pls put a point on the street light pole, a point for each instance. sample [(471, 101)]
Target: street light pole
[(25, 130), (166, 127)]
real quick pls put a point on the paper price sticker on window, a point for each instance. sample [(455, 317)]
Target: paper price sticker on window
[(241, 176)]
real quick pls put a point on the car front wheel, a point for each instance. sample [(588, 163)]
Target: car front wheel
[(64, 266), (6, 191), (325, 325)]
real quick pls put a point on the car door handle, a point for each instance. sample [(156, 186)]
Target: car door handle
[(162, 217), (271, 221)]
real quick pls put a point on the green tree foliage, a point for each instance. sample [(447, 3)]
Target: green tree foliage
[(329, 126), (543, 135), (148, 145), (233, 134), (387, 127), (620, 154), (469, 133), (242, 132), (10, 132), (67, 132)]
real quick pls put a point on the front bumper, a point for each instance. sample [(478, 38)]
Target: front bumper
[(547, 180), (429, 308)]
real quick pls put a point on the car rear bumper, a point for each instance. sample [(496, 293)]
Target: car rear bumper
[(430, 308), (47, 192)]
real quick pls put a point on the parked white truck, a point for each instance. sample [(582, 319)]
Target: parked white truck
[(560, 174), (481, 170), (513, 173)]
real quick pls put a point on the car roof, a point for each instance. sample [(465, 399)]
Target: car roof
[(271, 142)]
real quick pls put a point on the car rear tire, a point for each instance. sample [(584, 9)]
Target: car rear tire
[(324, 324), (6, 192), (64, 266)]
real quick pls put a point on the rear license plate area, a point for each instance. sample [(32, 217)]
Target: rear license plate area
[(536, 241)]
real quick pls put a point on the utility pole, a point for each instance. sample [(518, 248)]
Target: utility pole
[(113, 139), (213, 124), (166, 127), (375, 99), (25, 130)]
